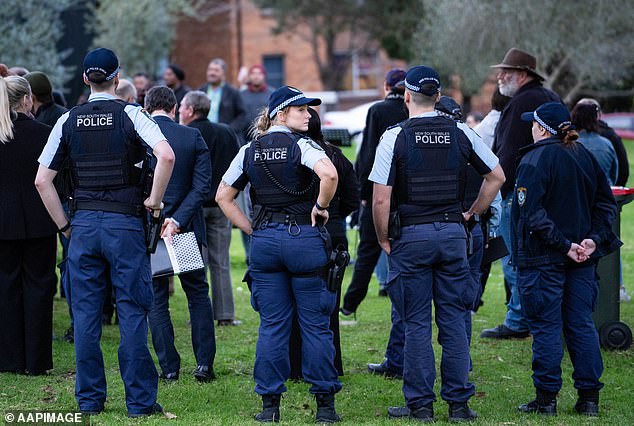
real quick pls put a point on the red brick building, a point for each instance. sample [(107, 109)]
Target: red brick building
[(241, 34)]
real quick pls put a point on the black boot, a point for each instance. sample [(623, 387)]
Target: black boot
[(588, 402), (460, 412), (545, 403), (270, 409), (326, 408)]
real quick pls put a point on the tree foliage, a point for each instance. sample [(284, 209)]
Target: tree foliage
[(139, 31), (578, 45), (30, 31), (338, 28)]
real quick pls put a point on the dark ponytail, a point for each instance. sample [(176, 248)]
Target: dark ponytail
[(568, 134)]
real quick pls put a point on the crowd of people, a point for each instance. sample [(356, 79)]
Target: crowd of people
[(432, 192)]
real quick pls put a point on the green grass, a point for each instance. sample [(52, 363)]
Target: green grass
[(501, 371)]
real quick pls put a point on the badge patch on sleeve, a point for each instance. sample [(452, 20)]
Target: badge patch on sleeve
[(521, 196)]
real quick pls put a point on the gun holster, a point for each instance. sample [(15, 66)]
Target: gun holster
[(394, 226), (339, 259), (153, 225)]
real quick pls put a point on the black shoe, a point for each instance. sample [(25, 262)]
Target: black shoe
[(91, 412), (503, 332), (270, 409), (69, 335), (228, 322), (169, 377), (382, 292), (204, 373), (587, 408), (383, 370), (156, 409), (460, 412), (422, 414), (546, 409), (326, 408)]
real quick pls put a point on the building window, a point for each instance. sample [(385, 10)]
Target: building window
[(274, 65)]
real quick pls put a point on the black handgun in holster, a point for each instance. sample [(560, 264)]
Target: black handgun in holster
[(154, 223), (468, 227), (339, 259), (394, 226)]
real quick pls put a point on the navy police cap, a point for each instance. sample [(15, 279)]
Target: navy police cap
[(552, 116), (288, 96), (422, 79), (448, 107), (101, 60)]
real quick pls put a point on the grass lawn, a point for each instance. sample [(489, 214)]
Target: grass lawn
[(501, 370)]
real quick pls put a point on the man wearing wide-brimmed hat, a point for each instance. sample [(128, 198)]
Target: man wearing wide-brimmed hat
[(518, 78)]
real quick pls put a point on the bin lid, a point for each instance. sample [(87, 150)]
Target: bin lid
[(622, 194)]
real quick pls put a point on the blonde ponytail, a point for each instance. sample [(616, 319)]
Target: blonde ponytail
[(6, 125), (262, 123)]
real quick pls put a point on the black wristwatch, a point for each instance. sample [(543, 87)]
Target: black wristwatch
[(64, 228), (320, 208)]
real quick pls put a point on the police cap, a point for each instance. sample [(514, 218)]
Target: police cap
[(288, 96), (552, 116), (101, 60), (422, 79)]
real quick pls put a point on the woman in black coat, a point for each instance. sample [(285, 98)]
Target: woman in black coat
[(28, 241), (344, 202)]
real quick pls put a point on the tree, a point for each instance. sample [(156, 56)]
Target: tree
[(355, 24), (140, 31), (578, 45), (30, 31)]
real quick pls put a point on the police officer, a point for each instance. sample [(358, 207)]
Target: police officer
[(289, 250), (423, 159), (105, 141), (556, 256)]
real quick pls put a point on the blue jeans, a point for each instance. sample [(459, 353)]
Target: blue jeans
[(286, 281), (558, 298), (202, 322), (429, 263), (514, 318), (102, 241)]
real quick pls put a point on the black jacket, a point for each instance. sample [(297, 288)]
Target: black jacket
[(561, 197), (511, 133), (380, 116), (189, 184), (621, 154), (232, 110), (346, 198), (223, 146), (49, 113), (22, 213)]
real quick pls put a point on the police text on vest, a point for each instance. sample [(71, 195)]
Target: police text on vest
[(432, 137)]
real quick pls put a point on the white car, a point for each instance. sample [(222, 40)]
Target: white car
[(335, 124)]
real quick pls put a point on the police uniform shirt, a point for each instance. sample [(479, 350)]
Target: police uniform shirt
[(236, 177), (55, 151), (477, 153)]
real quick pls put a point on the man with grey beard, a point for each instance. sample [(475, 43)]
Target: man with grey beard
[(517, 78)]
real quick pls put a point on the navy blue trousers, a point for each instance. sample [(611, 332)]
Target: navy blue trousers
[(200, 313), (394, 351), (558, 298), (429, 262), (285, 277), (103, 241)]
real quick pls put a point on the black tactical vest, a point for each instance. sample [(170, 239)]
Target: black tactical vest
[(431, 174), (282, 156), (105, 153)]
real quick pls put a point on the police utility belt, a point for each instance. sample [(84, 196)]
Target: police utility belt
[(105, 206), (396, 222)]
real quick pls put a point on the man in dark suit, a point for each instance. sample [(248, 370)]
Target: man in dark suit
[(223, 146), (226, 103), (187, 189)]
